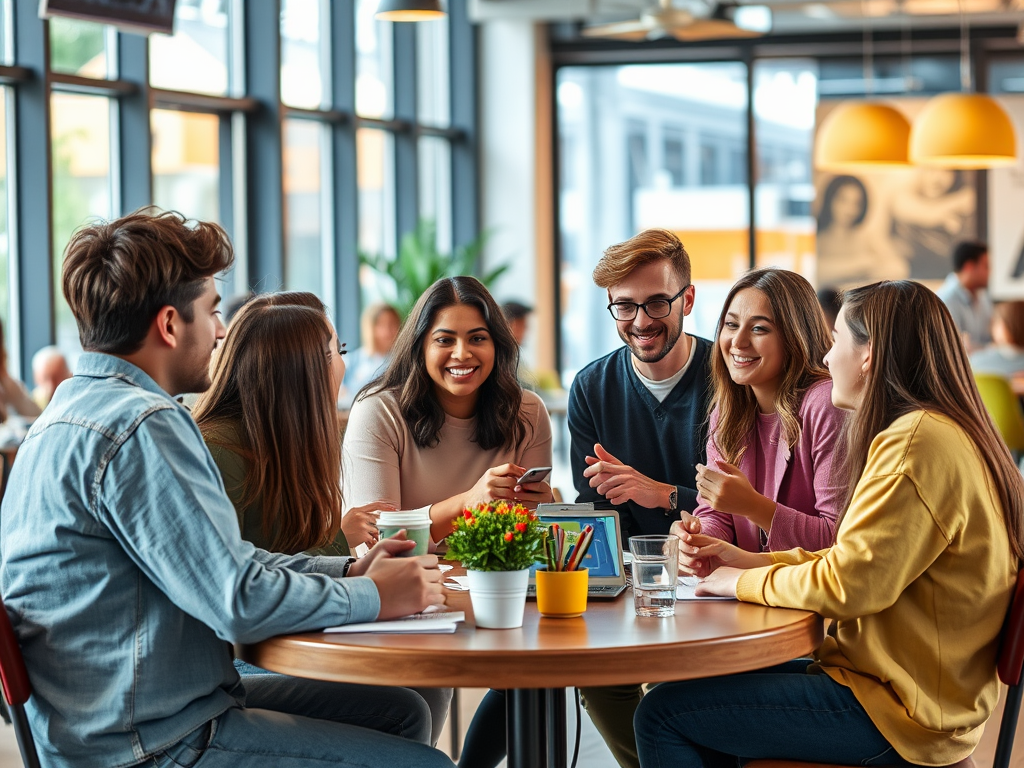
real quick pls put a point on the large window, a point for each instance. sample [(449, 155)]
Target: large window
[(785, 98), (649, 146), (82, 185), (186, 163), (239, 117)]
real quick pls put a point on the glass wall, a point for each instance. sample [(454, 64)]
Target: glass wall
[(785, 99), (304, 206), (195, 57), (640, 146), (186, 163), (82, 185)]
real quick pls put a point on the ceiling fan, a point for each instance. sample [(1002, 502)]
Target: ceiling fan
[(725, 21)]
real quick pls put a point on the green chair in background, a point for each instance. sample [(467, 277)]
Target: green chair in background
[(1004, 408)]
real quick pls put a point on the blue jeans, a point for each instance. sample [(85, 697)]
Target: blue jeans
[(781, 712), (296, 723)]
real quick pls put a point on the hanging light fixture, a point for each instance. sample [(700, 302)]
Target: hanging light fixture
[(409, 10), (963, 130), (861, 135)]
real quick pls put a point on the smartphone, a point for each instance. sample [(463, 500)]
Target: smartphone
[(534, 475)]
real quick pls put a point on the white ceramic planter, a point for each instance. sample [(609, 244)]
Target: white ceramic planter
[(498, 597)]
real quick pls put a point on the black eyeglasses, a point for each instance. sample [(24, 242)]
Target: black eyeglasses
[(654, 308)]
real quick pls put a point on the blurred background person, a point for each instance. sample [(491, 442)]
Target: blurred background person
[(1006, 356), (14, 398), (49, 368), (830, 301), (235, 303), (518, 314), (965, 294), (379, 327)]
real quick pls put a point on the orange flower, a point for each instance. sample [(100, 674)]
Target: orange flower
[(508, 536), (521, 527)]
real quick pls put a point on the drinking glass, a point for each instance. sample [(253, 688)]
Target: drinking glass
[(655, 573)]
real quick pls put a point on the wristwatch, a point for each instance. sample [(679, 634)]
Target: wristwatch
[(673, 501)]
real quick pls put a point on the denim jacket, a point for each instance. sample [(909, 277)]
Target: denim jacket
[(125, 575)]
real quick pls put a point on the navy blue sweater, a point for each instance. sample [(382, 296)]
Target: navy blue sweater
[(608, 404)]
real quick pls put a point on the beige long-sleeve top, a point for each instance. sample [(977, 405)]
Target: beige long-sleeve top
[(918, 583), (382, 462)]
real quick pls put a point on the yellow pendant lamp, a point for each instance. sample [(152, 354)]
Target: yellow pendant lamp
[(963, 130), (409, 10), (861, 135)]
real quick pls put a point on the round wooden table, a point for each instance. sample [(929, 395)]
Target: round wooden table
[(608, 645)]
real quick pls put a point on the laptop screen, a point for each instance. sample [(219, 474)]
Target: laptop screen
[(602, 559)]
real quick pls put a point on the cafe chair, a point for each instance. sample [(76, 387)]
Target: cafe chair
[(17, 688), (1010, 664), (1004, 408)]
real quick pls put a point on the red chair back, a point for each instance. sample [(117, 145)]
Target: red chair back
[(1011, 662), (17, 688), (13, 675)]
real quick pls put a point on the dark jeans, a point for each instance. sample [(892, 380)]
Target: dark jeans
[(781, 712)]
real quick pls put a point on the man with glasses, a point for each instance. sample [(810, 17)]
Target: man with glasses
[(637, 419)]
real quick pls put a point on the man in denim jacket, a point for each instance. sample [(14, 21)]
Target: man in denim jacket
[(123, 569)]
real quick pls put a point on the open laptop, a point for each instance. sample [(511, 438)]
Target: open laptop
[(607, 578)]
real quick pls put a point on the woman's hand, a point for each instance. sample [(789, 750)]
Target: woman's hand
[(360, 523), (501, 483), (721, 583), (701, 555), (728, 490), (495, 483)]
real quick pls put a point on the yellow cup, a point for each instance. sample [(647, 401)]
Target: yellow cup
[(562, 594)]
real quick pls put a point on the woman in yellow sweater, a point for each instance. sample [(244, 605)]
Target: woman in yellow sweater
[(917, 582)]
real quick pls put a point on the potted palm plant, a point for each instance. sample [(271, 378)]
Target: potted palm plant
[(420, 264), (497, 542)]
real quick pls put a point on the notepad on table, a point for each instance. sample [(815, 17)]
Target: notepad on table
[(439, 622), (685, 590)]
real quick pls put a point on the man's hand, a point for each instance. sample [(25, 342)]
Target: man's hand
[(406, 585), (728, 490), (620, 483), (721, 583), (393, 546)]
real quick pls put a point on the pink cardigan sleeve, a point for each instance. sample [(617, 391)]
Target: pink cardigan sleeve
[(821, 424), (712, 522)]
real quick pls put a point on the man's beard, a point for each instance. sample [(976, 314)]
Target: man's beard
[(672, 335)]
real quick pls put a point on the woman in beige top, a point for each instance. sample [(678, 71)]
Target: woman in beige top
[(447, 425)]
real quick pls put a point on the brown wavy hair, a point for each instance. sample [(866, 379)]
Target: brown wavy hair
[(118, 274), (644, 248), (271, 384), (800, 323), (918, 362), (499, 418)]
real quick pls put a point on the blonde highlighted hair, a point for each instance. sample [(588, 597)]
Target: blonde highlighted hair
[(649, 246)]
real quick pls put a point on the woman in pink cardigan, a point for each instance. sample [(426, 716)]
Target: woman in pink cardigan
[(774, 432)]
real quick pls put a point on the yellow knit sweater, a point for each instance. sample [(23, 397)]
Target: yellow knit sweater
[(918, 584)]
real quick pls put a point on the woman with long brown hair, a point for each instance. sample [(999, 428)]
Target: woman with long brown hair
[(447, 424), (270, 422), (917, 582), (768, 481)]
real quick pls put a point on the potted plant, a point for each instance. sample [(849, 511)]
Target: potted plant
[(497, 542), (419, 264)]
